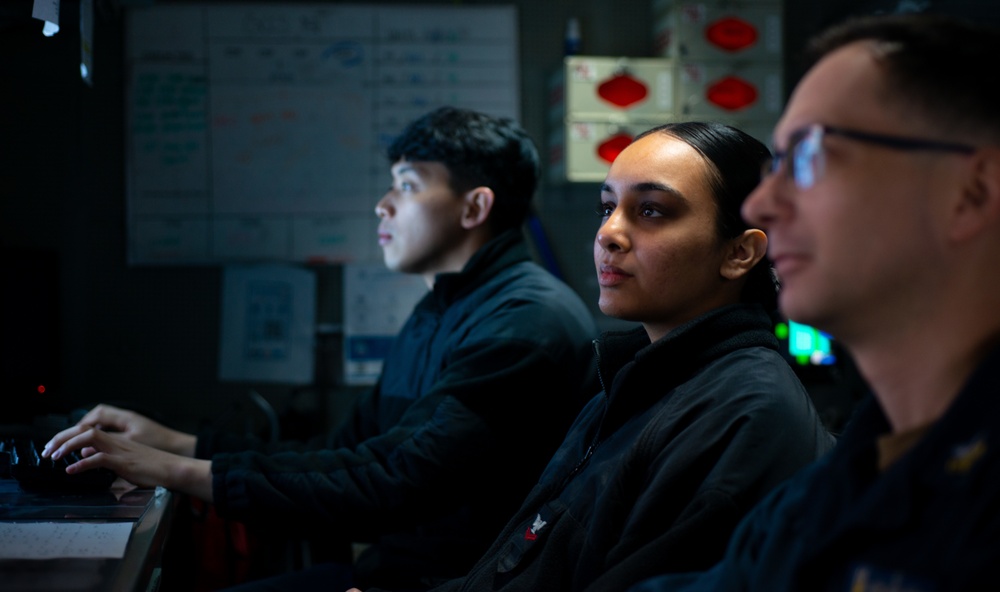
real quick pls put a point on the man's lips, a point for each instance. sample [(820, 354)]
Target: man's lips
[(609, 275), (384, 238), (787, 263)]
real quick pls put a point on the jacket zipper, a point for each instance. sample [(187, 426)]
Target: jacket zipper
[(594, 443)]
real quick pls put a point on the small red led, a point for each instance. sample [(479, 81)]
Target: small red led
[(41, 389)]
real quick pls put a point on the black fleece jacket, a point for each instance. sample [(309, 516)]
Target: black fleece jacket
[(476, 393), (657, 471)]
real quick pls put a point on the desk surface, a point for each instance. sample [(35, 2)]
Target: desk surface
[(149, 511)]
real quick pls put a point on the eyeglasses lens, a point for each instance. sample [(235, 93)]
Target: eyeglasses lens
[(807, 160), (804, 158)]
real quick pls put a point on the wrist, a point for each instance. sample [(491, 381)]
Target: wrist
[(184, 444), (194, 477)]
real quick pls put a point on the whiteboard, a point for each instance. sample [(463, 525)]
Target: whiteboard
[(257, 132)]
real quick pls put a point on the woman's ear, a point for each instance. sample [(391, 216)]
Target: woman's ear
[(478, 205), (743, 252)]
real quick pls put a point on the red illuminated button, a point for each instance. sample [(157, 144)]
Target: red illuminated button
[(609, 149), (732, 94), (622, 90), (731, 34)]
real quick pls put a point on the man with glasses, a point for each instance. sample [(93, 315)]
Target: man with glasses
[(882, 208)]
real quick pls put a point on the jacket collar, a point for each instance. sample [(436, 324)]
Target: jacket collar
[(683, 351), (957, 432), (954, 460), (504, 250)]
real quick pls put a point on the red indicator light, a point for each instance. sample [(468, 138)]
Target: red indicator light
[(609, 149), (732, 93), (41, 389), (622, 90), (731, 34)]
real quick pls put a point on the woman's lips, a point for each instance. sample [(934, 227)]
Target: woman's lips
[(609, 275)]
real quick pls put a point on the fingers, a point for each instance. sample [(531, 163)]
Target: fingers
[(136, 463), (57, 449), (101, 416), (92, 417), (139, 428), (60, 439), (106, 416), (100, 450), (94, 461)]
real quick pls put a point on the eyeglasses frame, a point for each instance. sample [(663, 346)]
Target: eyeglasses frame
[(806, 168)]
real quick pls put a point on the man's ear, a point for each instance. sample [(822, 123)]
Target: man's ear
[(743, 252), (478, 205), (978, 206)]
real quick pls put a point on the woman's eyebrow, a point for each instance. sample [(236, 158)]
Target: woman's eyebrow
[(648, 187), (645, 186)]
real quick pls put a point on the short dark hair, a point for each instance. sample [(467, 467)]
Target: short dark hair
[(735, 160), (478, 150), (933, 63)]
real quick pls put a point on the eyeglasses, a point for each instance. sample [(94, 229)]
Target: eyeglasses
[(807, 160)]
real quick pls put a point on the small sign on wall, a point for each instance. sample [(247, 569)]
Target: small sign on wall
[(268, 324), (377, 302)]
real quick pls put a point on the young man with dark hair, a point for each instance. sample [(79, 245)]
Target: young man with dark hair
[(477, 390), (882, 206)]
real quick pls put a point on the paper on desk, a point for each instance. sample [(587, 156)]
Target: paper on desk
[(52, 540), (48, 11)]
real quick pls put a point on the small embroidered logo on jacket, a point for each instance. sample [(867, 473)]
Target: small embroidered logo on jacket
[(964, 457), (868, 578), (532, 533)]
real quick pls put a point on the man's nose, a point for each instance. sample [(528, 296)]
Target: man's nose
[(382, 207), (761, 207)]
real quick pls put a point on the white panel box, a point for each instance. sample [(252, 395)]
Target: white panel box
[(575, 150), (582, 151), (719, 30), (613, 89), (733, 90)]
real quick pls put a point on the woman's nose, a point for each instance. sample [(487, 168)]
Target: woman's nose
[(612, 235)]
